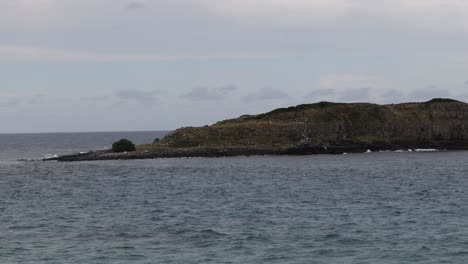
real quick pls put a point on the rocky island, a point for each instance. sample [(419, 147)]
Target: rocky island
[(320, 128)]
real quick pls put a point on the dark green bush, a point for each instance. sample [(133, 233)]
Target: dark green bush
[(298, 108), (123, 145), (442, 100)]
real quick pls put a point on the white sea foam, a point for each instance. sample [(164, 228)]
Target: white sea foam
[(425, 150), (51, 156)]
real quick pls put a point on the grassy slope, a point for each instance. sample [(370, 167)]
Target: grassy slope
[(331, 123)]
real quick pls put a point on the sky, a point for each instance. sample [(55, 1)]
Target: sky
[(123, 65)]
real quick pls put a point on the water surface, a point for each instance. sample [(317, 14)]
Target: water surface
[(360, 208)]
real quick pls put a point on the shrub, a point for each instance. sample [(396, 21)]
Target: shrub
[(442, 100), (296, 109), (123, 145)]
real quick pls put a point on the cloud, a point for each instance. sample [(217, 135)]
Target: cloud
[(37, 98), (429, 92), (430, 15), (52, 54), (33, 53), (9, 102), (447, 14), (322, 95), (392, 96), (355, 94), (385, 96), (94, 98), (292, 11), (205, 93), (135, 5), (266, 94), (347, 80), (462, 97), (25, 100), (137, 96), (363, 25)]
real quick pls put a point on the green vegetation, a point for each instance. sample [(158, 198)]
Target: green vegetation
[(297, 109), (442, 100), (123, 145), (330, 123), (183, 143)]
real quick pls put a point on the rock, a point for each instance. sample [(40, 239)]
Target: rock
[(322, 128)]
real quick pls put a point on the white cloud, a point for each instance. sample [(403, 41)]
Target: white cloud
[(355, 95), (322, 95), (446, 15), (136, 5), (429, 92), (265, 94), (139, 96), (438, 15), (348, 80), (34, 53), (206, 93), (21, 52), (279, 11), (9, 102), (103, 31), (392, 96)]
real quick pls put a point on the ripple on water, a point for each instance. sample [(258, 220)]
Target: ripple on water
[(374, 208)]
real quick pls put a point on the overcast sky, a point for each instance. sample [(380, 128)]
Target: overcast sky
[(106, 65)]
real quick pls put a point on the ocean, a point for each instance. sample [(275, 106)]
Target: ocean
[(360, 208)]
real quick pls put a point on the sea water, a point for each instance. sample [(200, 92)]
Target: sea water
[(358, 208)]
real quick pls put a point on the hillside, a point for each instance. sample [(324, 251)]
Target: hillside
[(439, 120), (324, 127)]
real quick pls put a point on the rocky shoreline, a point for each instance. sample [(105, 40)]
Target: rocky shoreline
[(159, 153), (320, 128)]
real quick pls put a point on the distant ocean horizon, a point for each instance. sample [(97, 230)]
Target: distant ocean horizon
[(374, 208), (42, 145), (83, 132)]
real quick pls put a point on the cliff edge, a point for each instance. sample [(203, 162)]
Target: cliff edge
[(323, 127)]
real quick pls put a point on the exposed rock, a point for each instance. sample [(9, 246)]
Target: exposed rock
[(332, 128)]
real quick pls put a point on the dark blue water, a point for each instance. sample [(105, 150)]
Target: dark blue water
[(361, 208)]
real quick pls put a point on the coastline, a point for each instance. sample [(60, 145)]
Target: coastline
[(213, 152), (308, 129)]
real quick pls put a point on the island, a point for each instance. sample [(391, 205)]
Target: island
[(319, 128)]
